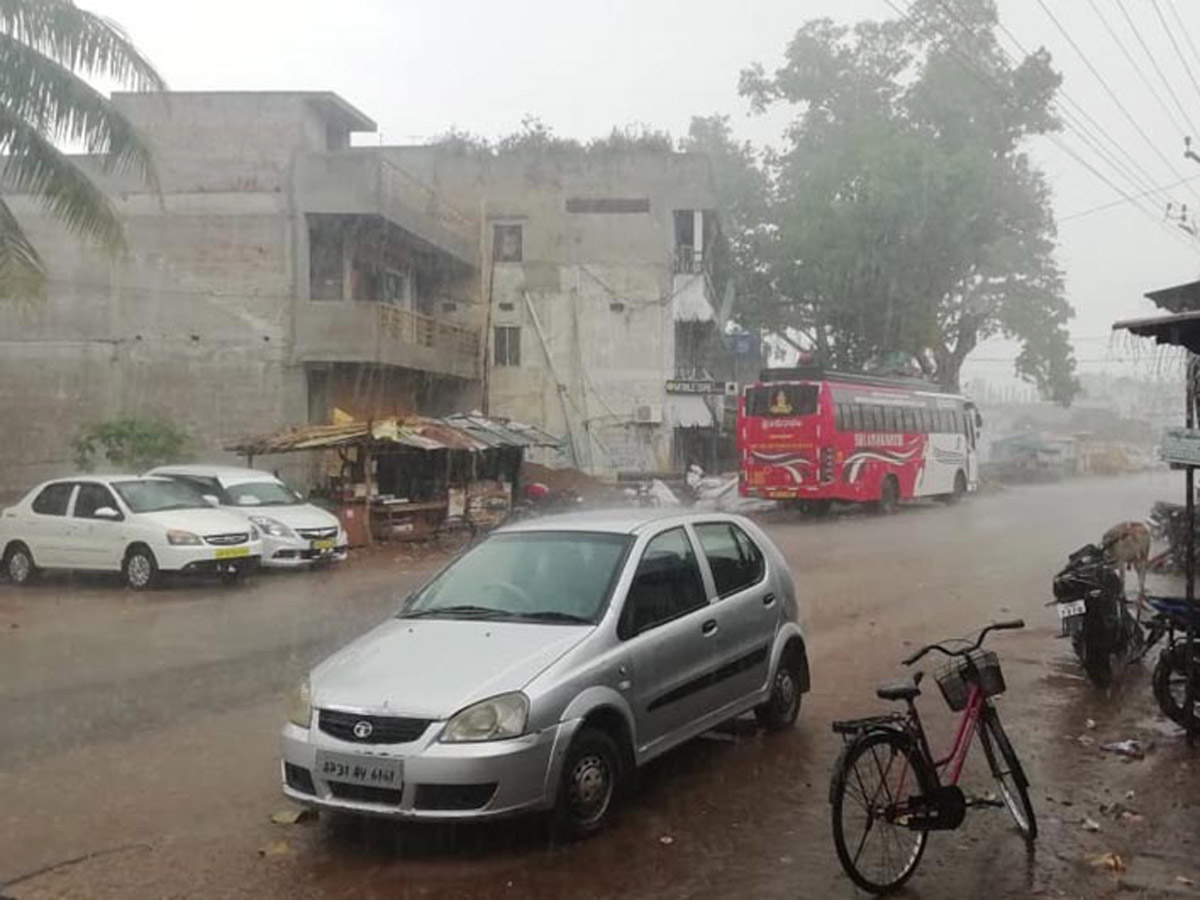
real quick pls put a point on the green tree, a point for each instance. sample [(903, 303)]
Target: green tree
[(48, 48), (129, 443), (904, 215)]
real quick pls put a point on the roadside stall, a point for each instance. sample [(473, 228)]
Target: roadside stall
[(1181, 446), (402, 478)]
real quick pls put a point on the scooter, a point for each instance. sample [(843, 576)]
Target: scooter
[(1094, 614)]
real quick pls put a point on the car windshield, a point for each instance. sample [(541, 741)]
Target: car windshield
[(550, 576), (156, 496), (262, 493)]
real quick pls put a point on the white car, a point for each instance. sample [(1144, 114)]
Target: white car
[(135, 525), (295, 533)]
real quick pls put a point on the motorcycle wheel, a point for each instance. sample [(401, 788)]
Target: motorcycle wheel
[(1169, 684)]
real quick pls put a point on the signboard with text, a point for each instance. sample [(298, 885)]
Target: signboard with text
[(1181, 447), (702, 387)]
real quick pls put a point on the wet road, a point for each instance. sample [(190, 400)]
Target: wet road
[(138, 735)]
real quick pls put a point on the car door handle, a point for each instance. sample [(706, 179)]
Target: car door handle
[(709, 628), (769, 600)]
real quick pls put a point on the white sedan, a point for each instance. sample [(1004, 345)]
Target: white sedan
[(121, 523), (295, 533)]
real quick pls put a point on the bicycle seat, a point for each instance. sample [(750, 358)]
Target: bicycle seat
[(906, 689)]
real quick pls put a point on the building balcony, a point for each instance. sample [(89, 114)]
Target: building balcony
[(331, 331), (362, 181)]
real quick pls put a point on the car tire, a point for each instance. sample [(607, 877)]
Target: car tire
[(19, 565), (140, 568), (592, 775), (782, 707)]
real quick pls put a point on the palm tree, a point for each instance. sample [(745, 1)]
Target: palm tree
[(47, 50)]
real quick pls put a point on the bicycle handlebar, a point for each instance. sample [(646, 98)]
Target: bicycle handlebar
[(1008, 625)]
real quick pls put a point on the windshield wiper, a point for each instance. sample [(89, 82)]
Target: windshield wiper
[(464, 610), (553, 615)]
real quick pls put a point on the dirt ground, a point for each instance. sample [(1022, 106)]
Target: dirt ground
[(138, 736)]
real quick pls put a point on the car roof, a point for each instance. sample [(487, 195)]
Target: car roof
[(619, 520), (224, 474)]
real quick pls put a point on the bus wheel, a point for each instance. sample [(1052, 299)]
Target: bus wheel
[(889, 496), (960, 488), (819, 509)]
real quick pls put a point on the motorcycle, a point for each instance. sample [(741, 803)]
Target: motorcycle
[(1094, 614), (1169, 681)]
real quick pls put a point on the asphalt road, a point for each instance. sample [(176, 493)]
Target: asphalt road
[(138, 735)]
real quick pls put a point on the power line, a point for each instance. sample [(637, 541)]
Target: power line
[(1090, 132), (1157, 68), (1137, 68), (1108, 90), (1183, 29), (1104, 206), (1096, 148), (1174, 43)]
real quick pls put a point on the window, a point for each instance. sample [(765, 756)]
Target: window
[(667, 585), (782, 400), (52, 501), (857, 417), (608, 205), (841, 420), (262, 493), (508, 345), (152, 495), (91, 498), (507, 243), (735, 561), (891, 418)]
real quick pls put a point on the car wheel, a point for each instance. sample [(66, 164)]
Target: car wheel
[(19, 565), (141, 569), (591, 776), (783, 705)]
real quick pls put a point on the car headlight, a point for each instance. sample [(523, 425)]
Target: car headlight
[(183, 538), (300, 705), (489, 720), (270, 526)]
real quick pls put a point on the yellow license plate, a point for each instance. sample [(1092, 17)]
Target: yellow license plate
[(324, 545), (232, 552)]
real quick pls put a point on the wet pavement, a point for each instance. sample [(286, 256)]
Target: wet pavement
[(138, 736)]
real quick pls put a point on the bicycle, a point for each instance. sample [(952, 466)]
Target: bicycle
[(902, 793)]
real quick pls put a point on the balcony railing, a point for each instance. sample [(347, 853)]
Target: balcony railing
[(353, 331)]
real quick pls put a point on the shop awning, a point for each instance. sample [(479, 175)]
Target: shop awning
[(1179, 329), (470, 433)]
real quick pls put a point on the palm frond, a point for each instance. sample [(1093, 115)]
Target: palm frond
[(66, 108), (35, 166), (22, 275), (82, 41)]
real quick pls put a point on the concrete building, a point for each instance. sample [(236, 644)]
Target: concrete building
[(278, 274), (606, 289)]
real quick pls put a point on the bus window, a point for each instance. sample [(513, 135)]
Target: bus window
[(891, 418), (840, 417), (782, 400), (856, 417)]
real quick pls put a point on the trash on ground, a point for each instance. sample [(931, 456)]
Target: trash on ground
[(293, 816), (1090, 825), (1130, 749), (1091, 724), (1110, 861), (1184, 880), (1085, 740), (275, 848), (666, 839)]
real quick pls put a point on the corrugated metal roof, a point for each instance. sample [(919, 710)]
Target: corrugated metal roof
[(458, 432), (1181, 329)]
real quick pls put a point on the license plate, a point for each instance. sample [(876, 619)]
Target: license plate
[(372, 771), (1075, 608), (323, 546), (232, 552)]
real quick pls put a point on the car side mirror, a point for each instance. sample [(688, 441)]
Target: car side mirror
[(107, 512), (211, 500)]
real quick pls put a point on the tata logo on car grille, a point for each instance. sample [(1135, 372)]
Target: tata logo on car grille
[(363, 730)]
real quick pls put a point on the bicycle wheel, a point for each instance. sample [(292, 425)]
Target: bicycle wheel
[(875, 773), (1009, 775)]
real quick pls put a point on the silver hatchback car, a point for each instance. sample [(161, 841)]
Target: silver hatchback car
[(541, 668)]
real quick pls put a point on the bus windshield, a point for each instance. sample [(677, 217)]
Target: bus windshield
[(782, 400)]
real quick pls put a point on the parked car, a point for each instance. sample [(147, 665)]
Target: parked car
[(140, 527), (295, 533), (542, 667)]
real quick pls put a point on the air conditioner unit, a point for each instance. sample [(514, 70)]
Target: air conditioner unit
[(647, 414)]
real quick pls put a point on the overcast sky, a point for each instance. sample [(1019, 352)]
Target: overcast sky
[(419, 67)]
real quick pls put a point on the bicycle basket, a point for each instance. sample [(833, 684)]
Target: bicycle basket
[(979, 666)]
